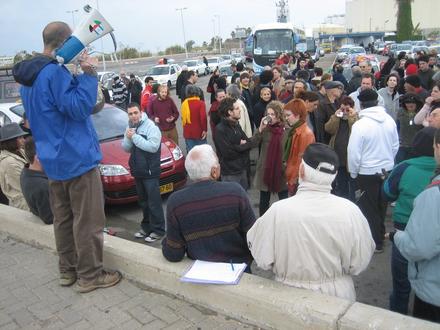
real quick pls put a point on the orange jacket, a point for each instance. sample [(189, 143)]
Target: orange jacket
[(301, 139)]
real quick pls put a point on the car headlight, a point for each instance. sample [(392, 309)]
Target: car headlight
[(112, 170), (177, 153)]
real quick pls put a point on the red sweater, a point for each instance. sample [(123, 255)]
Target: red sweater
[(163, 109), (199, 121)]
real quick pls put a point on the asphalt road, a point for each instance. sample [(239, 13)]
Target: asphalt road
[(372, 286)]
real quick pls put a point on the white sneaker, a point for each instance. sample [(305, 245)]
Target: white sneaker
[(140, 234), (153, 237)]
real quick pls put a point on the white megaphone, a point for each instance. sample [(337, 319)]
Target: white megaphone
[(92, 27)]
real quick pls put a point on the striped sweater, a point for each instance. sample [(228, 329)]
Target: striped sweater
[(209, 221)]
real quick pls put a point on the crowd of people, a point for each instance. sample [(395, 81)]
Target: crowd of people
[(334, 152)]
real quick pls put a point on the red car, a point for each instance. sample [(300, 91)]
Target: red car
[(119, 186)]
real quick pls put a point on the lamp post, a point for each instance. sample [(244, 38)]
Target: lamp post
[(213, 28), (183, 28), (73, 16), (384, 28), (219, 36)]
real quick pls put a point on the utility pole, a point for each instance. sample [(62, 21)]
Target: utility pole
[(213, 27), (219, 35), (183, 29), (73, 16)]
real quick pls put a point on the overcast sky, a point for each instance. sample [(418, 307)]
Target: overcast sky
[(151, 25)]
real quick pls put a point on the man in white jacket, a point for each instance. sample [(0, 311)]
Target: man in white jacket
[(372, 146), (314, 240)]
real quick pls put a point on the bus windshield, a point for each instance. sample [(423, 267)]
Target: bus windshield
[(270, 42)]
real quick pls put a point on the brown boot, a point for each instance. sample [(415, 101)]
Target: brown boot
[(104, 280)]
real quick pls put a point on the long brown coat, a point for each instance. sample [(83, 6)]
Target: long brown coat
[(265, 137)]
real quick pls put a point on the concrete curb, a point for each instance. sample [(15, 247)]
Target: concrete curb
[(256, 300)]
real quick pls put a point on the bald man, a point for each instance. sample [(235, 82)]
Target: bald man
[(58, 106)]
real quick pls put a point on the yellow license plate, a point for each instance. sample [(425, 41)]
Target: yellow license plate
[(166, 188)]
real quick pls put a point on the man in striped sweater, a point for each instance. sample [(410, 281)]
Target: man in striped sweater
[(208, 220)]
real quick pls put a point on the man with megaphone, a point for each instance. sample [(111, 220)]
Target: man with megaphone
[(58, 106)]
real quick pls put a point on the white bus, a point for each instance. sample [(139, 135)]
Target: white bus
[(271, 40)]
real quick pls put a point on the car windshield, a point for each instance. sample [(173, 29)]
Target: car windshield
[(190, 63), (420, 48), (159, 70), (226, 70), (18, 110), (212, 60), (404, 47), (110, 123), (357, 50), (343, 50), (226, 57)]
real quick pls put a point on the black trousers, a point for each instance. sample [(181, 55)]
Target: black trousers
[(368, 198), (426, 311)]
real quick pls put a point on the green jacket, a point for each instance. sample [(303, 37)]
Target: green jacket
[(408, 179)]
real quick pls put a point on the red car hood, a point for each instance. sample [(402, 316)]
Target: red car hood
[(113, 154)]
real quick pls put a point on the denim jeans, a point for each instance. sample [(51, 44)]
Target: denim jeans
[(399, 297), (191, 143), (151, 203)]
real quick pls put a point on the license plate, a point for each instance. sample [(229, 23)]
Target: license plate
[(166, 188)]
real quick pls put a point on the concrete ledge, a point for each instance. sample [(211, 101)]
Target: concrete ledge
[(256, 300)]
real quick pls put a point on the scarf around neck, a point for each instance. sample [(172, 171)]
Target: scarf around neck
[(186, 113), (288, 144), (274, 159)]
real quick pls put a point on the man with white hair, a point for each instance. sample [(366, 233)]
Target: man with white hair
[(314, 240), (208, 220)]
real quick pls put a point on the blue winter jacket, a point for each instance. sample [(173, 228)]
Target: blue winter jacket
[(420, 245), (144, 149), (58, 106)]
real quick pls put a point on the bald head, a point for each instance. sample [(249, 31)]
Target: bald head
[(54, 35)]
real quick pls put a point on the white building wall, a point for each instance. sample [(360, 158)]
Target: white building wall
[(380, 15)]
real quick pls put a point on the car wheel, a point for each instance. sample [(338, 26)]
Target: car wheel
[(169, 84)]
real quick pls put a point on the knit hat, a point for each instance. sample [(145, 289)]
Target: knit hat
[(368, 95), (330, 84), (411, 98), (11, 131), (411, 69), (423, 141), (321, 157), (413, 80)]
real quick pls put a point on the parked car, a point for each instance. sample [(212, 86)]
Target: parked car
[(415, 49), (402, 48), (104, 76), (119, 186), (197, 66), (226, 70), (355, 59), (164, 74), (213, 63), (110, 124), (237, 57), (343, 52), (10, 113), (226, 59)]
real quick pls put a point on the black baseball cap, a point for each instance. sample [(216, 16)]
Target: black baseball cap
[(322, 158)]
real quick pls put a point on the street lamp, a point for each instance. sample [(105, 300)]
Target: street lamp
[(73, 16), (183, 28), (384, 28), (213, 27), (219, 36)]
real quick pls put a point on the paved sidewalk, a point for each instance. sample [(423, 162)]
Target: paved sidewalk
[(30, 298)]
